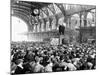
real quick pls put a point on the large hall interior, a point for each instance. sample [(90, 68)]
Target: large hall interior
[(53, 33)]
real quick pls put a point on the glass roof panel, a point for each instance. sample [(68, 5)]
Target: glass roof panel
[(50, 13), (57, 9)]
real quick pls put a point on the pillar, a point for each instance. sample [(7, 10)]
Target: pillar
[(69, 22), (85, 18), (42, 24), (35, 28), (80, 33), (44, 28), (50, 24)]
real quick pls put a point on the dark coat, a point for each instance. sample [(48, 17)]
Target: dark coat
[(19, 70), (61, 29)]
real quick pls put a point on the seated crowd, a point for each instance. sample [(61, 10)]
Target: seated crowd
[(30, 57)]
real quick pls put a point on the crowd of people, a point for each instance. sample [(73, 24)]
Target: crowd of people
[(32, 57)]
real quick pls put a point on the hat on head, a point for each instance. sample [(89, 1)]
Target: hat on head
[(18, 61)]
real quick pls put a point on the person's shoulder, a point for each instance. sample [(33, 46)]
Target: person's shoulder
[(42, 66), (39, 65)]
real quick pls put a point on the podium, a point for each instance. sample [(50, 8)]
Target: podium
[(61, 37)]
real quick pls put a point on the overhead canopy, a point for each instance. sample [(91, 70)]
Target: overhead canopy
[(69, 8), (78, 8), (24, 9)]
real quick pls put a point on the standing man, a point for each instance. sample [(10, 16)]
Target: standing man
[(61, 32), (61, 29)]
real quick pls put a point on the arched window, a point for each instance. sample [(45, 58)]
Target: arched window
[(19, 29), (89, 19), (75, 21)]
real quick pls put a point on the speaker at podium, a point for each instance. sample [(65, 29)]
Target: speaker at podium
[(61, 33)]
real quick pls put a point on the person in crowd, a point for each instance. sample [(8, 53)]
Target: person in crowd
[(49, 66), (71, 66), (19, 69), (38, 68), (13, 67)]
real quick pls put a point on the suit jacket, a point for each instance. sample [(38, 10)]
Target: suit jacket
[(19, 70), (61, 29)]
